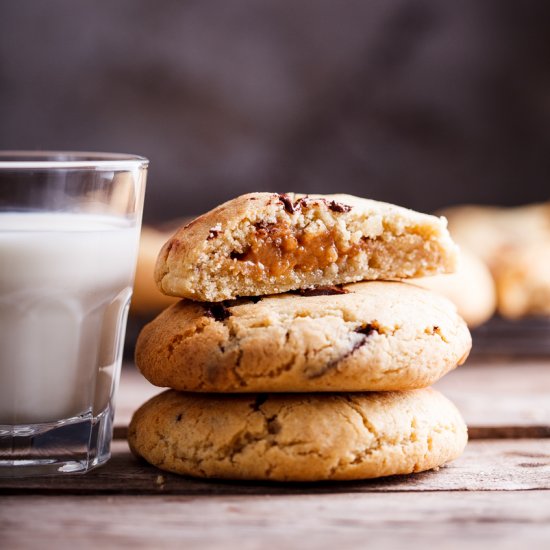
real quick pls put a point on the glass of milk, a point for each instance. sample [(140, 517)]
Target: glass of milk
[(69, 231)]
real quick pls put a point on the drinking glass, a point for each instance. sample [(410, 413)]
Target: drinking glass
[(69, 234)]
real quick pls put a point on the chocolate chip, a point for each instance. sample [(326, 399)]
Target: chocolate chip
[(338, 206), (367, 330), (304, 203), (234, 255), (179, 417), (273, 425), (287, 202), (301, 203), (261, 398), (212, 234), (262, 226), (218, 311), (355, 348), (333, 364), (320, 291)]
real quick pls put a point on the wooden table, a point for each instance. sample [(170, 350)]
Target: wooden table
[(496, 495)]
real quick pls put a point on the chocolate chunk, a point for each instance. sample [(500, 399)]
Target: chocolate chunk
[(234, 255), (338, 206), (301, 203), (273, 425), (367, 330), (261, 398), (287, 202), (320, 291), (333, 364), (262, 225), (265, 230), (218, 311), (354, 348)]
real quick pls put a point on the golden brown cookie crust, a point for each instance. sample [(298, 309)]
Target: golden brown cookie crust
[(298, 437), (362, 337), (267, 243)]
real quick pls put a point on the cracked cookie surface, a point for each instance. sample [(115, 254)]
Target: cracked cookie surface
[(298, 437), (360, 337), (268, 243)]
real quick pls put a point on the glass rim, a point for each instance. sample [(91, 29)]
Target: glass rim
[(17, 160)]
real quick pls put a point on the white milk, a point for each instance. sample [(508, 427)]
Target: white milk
[(65, 282)]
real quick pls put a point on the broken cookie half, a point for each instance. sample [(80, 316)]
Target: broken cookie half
[(269, 243)]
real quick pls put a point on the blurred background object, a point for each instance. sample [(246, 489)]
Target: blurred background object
[(490, 231), (147, 300), (523, 281), (514, 243), (471, 288), (424, 103)]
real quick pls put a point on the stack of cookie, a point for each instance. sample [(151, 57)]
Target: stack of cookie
[(297, 353)]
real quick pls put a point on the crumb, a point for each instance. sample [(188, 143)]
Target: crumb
[(160, 480)]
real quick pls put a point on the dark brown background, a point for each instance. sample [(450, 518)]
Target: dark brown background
[(423, 103)]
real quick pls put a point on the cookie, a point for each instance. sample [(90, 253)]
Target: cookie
[(489, 230), (266, 243), (471, 288), (298, 437), (514, 242), (522, 276), (376, 335)]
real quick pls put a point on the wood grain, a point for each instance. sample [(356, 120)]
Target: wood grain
[(503, 520), (497, 494), (502, 465), (501, 393)]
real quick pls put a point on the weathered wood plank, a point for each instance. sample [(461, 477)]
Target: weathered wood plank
[(487, 432), (499, 399), (526, 337), (501, 394), (495, 465), (507, 521)]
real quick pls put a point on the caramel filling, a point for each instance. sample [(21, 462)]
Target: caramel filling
[(279, 250), (276, 249)]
